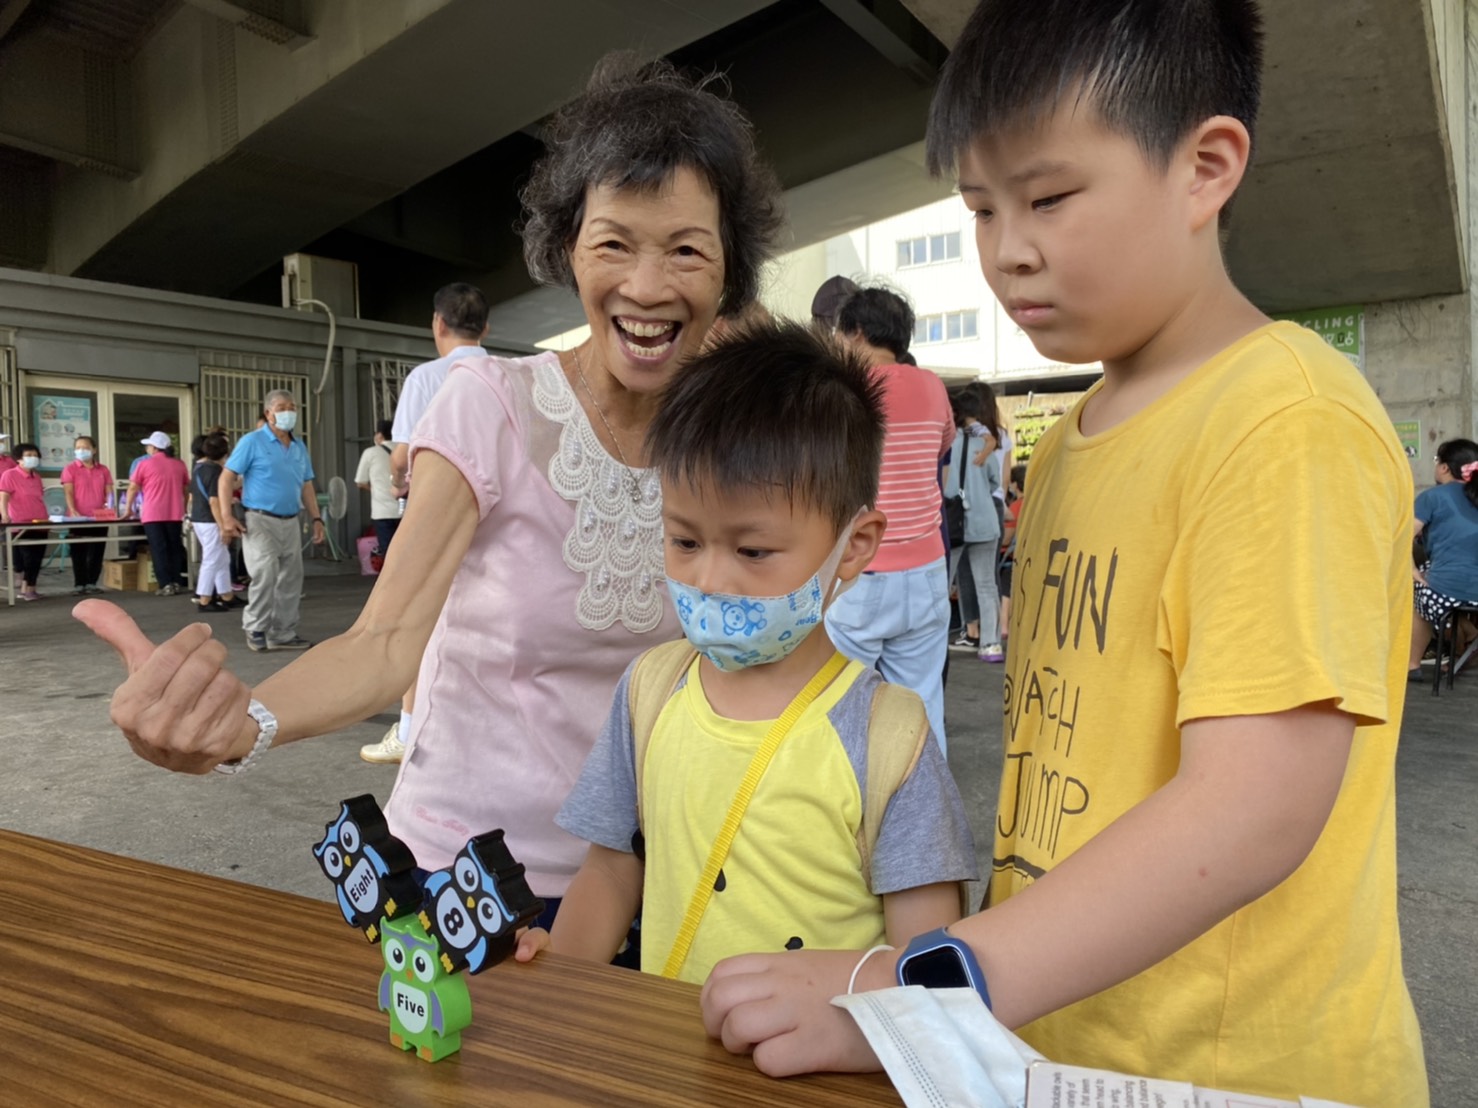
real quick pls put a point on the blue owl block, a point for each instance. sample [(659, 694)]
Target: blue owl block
[(372, 870), (428, 1006), (474, 908)]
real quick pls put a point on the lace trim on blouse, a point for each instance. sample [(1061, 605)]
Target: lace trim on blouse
[(617, 540)]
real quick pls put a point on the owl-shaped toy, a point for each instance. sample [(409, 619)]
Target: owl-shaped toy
[(474, 908), (428, 1007), (371, 869)]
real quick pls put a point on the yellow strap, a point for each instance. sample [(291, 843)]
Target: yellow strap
[(720, 849)]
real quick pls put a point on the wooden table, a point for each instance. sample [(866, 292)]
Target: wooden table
[(135, 984)]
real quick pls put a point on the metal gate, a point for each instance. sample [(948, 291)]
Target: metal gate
[(232, 398), (10, 397), (386, 378)]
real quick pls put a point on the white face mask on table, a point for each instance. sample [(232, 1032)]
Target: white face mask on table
[(942, 1047)]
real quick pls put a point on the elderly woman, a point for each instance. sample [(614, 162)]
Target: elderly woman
[(1447, 521), (529, 564)]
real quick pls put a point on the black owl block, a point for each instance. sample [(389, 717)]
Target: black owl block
[(371, 869), (475, 907)]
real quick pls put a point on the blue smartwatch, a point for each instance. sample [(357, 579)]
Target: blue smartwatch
[(938, 960)]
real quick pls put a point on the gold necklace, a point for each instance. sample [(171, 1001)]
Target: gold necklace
[(631, 476)]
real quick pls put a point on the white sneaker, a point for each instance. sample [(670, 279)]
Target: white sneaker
[(388, 751)]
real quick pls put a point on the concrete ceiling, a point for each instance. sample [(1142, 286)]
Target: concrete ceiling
[(190, 144), (1351, 197)]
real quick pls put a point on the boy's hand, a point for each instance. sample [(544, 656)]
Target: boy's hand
[(778, 1008), (530, 942)]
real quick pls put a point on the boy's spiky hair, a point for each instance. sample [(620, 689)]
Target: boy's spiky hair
[(1151, 69), (776, 408)]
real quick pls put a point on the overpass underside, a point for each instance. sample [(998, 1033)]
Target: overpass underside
[(190, 144)]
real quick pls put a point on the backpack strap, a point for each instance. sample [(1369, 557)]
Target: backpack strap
[(896, 733), (654, 679)]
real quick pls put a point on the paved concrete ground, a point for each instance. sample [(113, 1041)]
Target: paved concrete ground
[(66, 774)]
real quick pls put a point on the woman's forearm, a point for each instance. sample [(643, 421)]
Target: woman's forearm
[(351, 676)]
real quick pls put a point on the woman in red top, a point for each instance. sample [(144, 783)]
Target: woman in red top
[(162, 477), (22, 502), (89, 486)]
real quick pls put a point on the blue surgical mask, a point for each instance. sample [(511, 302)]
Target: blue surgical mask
[(735, 632), (30, 461), (286, 421), (82, 455)]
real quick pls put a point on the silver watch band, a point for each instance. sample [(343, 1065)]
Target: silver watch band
[(267, 723)]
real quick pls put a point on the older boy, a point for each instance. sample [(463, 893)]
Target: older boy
[(763, 529), (1194, 869)]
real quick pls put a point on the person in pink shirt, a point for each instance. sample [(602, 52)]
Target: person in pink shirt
[(162, 478), (896, 616), (22, 502), (528, 573), (89, 486)]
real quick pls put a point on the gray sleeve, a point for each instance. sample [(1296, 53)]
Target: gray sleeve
[(925, 837), (601, 808)]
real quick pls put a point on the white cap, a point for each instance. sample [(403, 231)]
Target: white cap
[(159, 440)]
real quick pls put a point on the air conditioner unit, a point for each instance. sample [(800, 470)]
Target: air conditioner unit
[(308, 277)]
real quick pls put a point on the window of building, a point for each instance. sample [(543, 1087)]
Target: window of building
[(947, 327), (929, 248)]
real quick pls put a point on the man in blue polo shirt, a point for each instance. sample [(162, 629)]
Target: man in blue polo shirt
[(276, 478)]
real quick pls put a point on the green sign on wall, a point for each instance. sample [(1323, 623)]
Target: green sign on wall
[(1341, 328), (1409, 431)]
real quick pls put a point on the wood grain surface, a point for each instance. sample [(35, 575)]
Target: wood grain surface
[(137, 984)]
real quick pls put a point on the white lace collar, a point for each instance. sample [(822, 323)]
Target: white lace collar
[(616, 542)]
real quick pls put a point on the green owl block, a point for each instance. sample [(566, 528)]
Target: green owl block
[(428, 1007)]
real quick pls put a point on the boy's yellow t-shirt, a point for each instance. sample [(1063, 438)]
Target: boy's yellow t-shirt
[(1240, 547), (794, 876)]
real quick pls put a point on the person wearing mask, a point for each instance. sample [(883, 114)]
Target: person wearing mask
[(529, 568), (22, 502), (374, 477), (213, 591), (276, 478), (88, 486), (161, 479)]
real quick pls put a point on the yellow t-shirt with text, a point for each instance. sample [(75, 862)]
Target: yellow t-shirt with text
[(1239, 547)]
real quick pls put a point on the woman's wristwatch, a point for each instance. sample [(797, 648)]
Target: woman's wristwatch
[(267, 724), (938, 960)]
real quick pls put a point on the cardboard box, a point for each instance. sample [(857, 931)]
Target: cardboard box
[(146, 581), (121, 574)]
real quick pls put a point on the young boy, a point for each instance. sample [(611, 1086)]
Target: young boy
[(1194, 867), (764, 525)]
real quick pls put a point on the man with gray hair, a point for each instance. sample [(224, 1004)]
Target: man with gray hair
[(276, 478)]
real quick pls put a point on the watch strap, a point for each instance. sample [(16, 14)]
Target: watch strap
[(267, 725)]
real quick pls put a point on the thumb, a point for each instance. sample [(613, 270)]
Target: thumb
[(114, 626)]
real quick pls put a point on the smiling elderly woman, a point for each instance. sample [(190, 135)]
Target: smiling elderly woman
[(528, 567)]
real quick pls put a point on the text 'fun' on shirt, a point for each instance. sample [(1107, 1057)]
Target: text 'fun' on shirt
[(793, 878), (1157, 582)]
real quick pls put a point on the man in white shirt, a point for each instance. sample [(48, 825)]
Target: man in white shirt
[(373, 475), (459, 321)]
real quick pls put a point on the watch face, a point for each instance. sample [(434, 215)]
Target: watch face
[(940, 968)]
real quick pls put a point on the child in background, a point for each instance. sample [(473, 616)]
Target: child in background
[(1195, 856), (22, 501), (763, 527), (1015, 502), (89, 487)]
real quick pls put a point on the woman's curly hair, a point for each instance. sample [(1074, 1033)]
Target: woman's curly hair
[(635, 125)]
